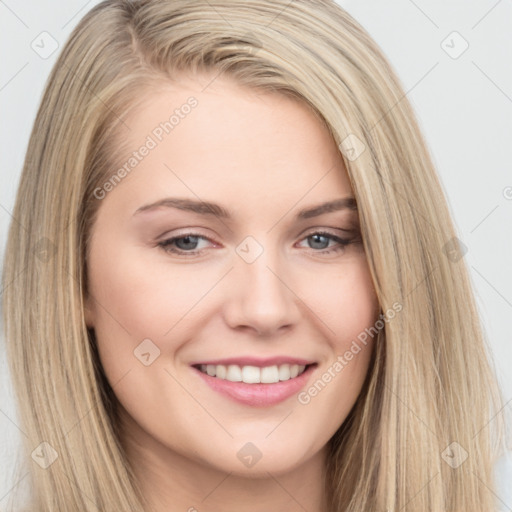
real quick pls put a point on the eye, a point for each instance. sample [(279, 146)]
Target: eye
[(183, 244), (320, 242), (189, 244)]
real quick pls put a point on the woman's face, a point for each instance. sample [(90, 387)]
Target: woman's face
[(258, 286)]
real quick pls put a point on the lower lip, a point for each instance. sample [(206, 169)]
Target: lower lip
[(258, 395)]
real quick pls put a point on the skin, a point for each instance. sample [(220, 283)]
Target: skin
[(264, 157)]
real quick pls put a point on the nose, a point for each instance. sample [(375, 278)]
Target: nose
[(261, 297)]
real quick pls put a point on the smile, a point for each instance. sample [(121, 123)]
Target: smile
[(256, 386), (253, 374)]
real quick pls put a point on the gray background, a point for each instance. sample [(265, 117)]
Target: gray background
[(463, 102)]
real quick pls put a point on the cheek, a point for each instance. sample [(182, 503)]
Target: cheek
[(135, 299), (359, 304), (143, 297), (347, 307), (344, 300)]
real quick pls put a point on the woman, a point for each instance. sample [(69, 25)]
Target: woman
[(257, 297)]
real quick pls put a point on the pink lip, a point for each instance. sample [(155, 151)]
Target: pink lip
[(254, 361), (257, 395)]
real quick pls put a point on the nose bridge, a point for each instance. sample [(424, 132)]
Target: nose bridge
[(261, 298), (262, 281)]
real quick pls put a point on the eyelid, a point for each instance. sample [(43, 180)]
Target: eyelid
[(332, 230), (183, 232), (349, 235)]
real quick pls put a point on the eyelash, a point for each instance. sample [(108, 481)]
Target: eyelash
[(167, 247)]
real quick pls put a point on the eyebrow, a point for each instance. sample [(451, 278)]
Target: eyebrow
[(209, 208)]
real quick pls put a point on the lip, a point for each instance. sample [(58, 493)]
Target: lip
[(255, 361), (257, 395)]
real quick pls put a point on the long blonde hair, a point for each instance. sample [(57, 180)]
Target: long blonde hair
[(430, 384)]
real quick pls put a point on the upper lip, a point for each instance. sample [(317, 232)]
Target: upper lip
[(255, 361)]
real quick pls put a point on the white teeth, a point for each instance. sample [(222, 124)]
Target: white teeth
[(221, 371), (253, 374), (284, 372), (234, 373), (270, 374)]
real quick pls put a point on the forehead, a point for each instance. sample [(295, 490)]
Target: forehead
[(216, 140)]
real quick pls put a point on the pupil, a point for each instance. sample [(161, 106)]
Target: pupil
[(187, 240), (316, 239)]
